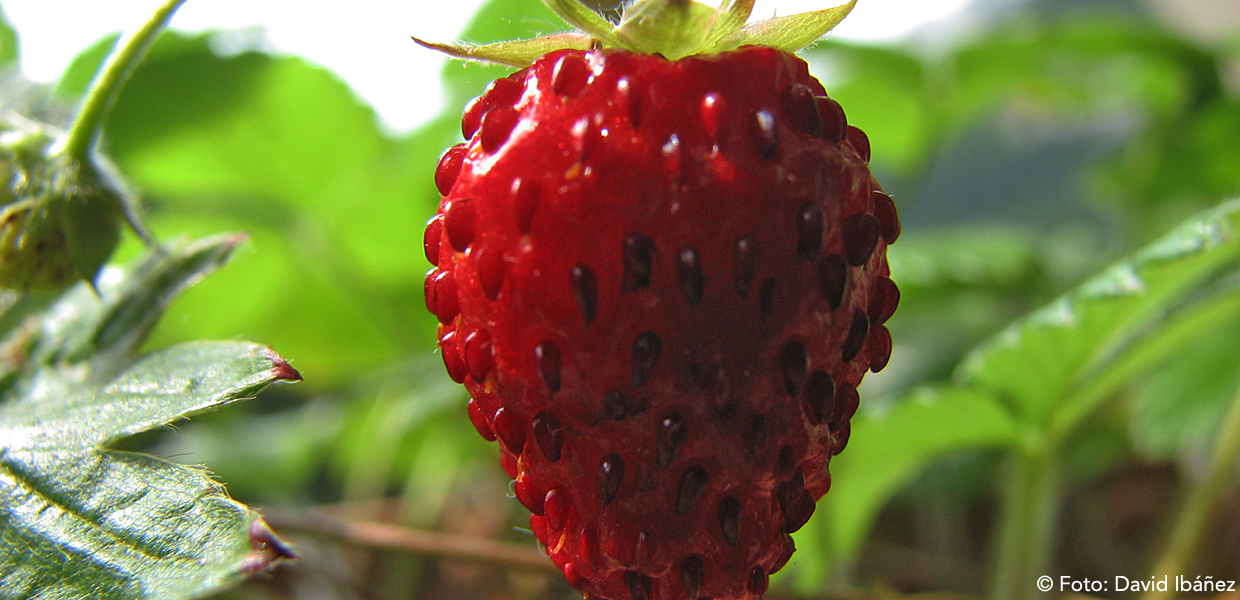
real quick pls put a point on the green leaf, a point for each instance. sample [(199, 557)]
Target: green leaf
[(10, 52), (885, 452), (1038, 363), (1178, 408), (85, 521), (106, 328), (54, 414), (106, 524), (284, 150)]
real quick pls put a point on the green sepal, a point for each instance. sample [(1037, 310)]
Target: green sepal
[(673, 28), (789, 33), (731, 17), (516, 53), (580, 16)]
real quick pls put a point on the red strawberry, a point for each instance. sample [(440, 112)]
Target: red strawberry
[(661, 282)]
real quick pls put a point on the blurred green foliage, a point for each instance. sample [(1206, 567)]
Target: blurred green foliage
[(1040, 147)]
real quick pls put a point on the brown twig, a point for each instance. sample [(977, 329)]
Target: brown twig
[(395, 537)]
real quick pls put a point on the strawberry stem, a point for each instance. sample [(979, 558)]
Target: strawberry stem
[(1029, 513), (1199, 504), (84, 132)]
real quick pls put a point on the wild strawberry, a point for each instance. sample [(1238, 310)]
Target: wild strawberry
[(661, 282)]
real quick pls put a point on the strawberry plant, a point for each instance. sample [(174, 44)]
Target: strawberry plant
[(1059, 395)]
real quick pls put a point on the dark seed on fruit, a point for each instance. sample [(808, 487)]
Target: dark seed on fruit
[(834, 124), (795, 502), (447, 302), (548, 357), (846, 402), (549, 435), (860, 238), (692, 570), (766, 297), (832, 279), (496, 128), (765, 135), (646, 350), (449, 168), (491, 271), (508, 462), (730, 519), (756, 436), (428, 290), (529, 496), (841, 438), (671, 156), (505, 92), (884, 301), (692, 280), (692, 483), (459, 221), (705, 375), (879, 348), (585, 290), (480, 421), (672, 434), (640, 586), (856, 336), (785, 553), (810, 230), (888, 220), (452, 359), (818, 396), (799, 108), (860, 142), (610, 474), (479, 354), (712, 111), (793, 365), (786, 460), (472, 117), (525, 197), (626, 98), (510, 432), (638, 261), (644, 548), (569, 75), (430, 239), (745, 265), (556, 506), (758, 581), (614, 405)]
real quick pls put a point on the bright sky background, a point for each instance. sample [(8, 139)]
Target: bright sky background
[(367, 43)]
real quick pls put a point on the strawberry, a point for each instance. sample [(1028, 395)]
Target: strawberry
[(661, 282)]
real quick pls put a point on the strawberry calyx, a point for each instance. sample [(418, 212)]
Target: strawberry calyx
[(673, 29)]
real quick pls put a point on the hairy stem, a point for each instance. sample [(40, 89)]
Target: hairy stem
[(1028, 521), (107, 86), (1199, 504), (394, 537)]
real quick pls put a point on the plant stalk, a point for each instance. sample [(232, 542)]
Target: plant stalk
[(103, 93), (1028, 522), (1199, 504)]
